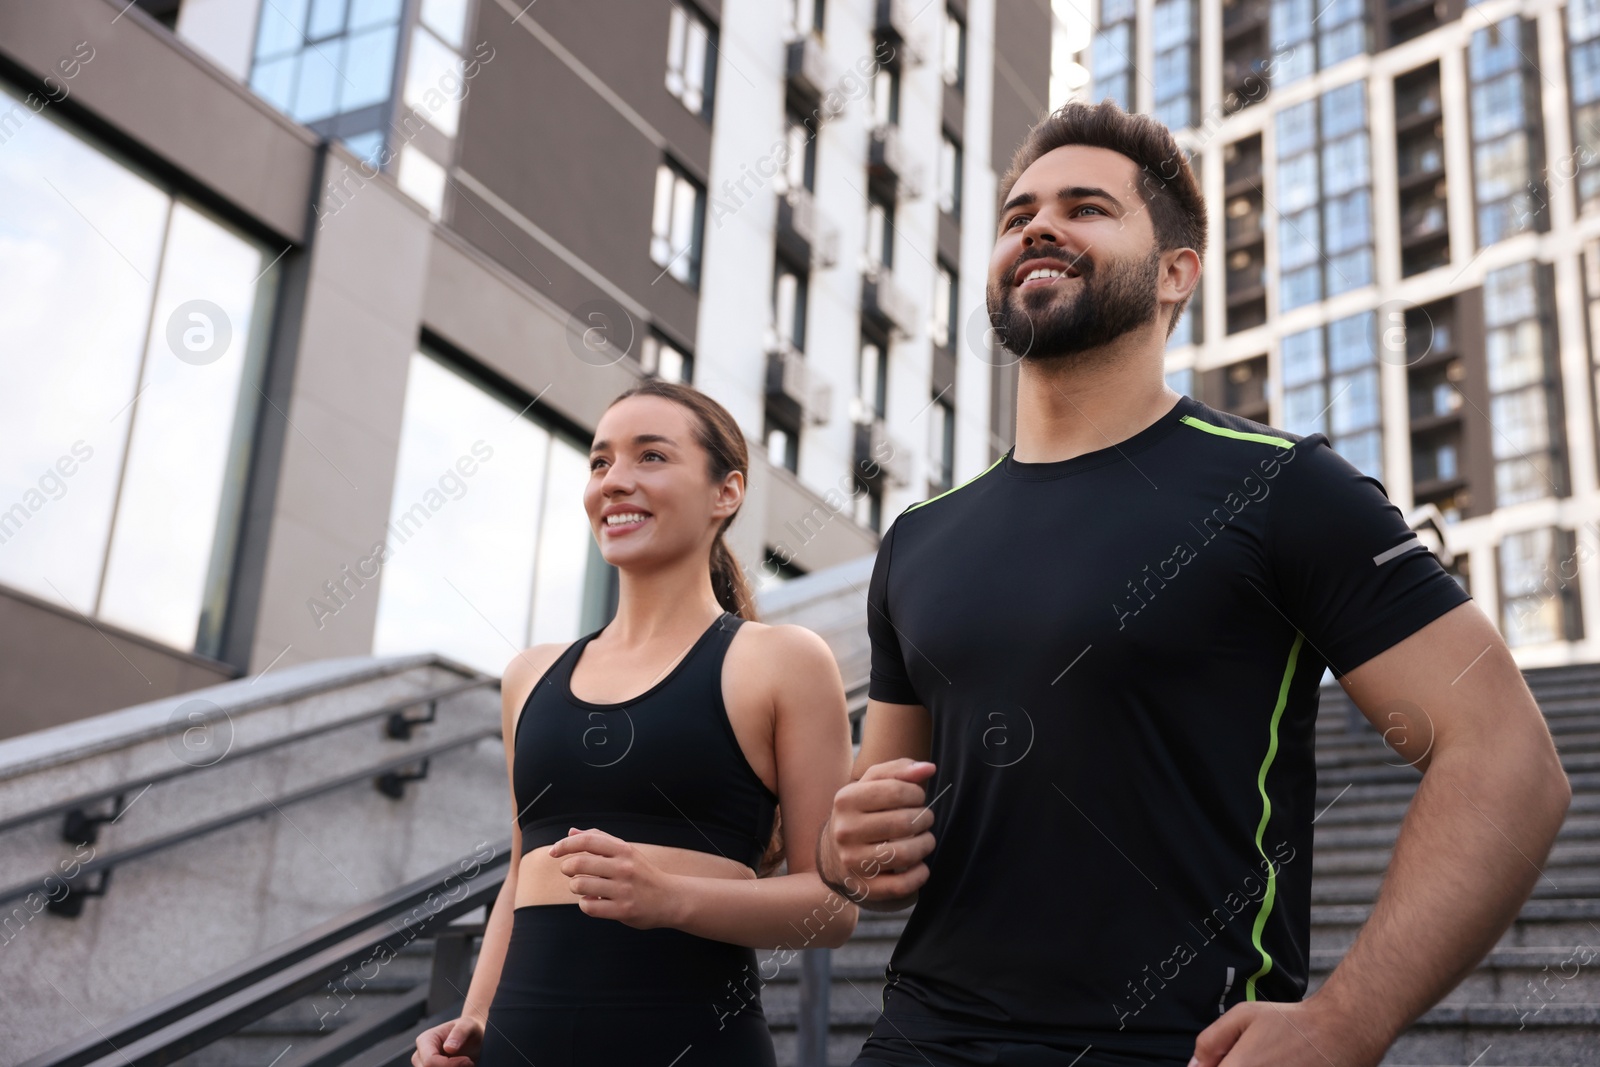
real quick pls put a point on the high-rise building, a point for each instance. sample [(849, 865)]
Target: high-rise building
[(309, 308), (1404, 199)]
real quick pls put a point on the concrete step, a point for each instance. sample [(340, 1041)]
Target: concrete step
[(1542, 923), (1500, 1035), (1532, 980)]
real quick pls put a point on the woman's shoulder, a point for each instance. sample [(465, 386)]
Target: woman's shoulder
[(787, 648), (525, 670)]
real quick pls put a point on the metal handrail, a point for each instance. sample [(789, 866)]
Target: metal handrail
[(223, 1003), (111, 792), (222, 822)]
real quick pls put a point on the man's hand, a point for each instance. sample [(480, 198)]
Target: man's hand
[(452, 1044), (1263, 1033), (874, 844)]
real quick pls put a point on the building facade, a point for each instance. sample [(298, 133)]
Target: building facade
[(1404, 205), (310, 307)]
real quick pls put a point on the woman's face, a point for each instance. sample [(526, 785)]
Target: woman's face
[(648, 497)]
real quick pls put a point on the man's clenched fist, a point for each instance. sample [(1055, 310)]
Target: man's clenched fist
[(879, 834)]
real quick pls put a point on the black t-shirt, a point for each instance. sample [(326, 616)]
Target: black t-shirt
[(1121, 654)]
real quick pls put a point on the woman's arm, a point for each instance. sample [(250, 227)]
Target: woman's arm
[(811, 749)]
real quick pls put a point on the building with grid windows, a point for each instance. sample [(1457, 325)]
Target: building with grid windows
[(334, 292), (1405, 203)]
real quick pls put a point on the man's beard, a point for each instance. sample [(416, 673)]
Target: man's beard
[(1112, 300)]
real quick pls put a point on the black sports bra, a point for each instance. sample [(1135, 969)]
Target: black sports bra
[(662, 768)]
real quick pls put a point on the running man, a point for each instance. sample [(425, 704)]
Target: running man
[(1087, 758)]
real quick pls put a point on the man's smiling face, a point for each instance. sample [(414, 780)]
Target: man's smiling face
[(1075, 263)]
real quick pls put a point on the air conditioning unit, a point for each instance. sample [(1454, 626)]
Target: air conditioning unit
[(887, 160), (879, 455), (894, 21), (804, 230), (794, 384), (808, 69), (888, 303)]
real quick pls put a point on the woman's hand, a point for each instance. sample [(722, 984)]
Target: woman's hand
[(452, 1044), (614, 880)]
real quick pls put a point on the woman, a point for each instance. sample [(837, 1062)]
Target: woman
[(648, 761)]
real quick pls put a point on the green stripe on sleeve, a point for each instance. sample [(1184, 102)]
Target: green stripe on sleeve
[(953, 488), (1222, 431)]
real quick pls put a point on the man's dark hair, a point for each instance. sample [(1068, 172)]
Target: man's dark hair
[(1167, 184)]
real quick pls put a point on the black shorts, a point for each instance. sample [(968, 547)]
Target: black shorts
[(577, 989)]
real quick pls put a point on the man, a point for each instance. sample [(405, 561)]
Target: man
[(1109, 645)]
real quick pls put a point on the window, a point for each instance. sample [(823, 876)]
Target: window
[(1507, 146), (435, 80), (1309, 35), (880, 232), (1175, 31), (1524, 402), (1111, 53), (955, 50), (1324, 197), (949, 176), (945, 328), (1583, 86), (333, 67), (800, 169), (783, 445), (1246, 264), (1591, 295), (872, 379), (941, 445), (801, 17), (676, 225), (789, 304), (133, 329), (1419, 150), (511, 559), (1246, 57), (1538, 587), (663, 359), (691, 59), (1330, 386), (886, 94)]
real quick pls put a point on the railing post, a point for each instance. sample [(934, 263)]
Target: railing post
[(816, 970)]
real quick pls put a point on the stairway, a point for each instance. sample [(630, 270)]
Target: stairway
[(1533, 1002)]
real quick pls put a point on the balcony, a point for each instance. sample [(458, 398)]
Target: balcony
[(886, 302), (803, 230), (808, 70), (793, 387), (888, 162), (879, 456), (893, 23)]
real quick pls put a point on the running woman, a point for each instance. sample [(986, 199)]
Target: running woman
[(647, 762), (1087, 758)]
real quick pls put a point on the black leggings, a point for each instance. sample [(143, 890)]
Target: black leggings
[(576, 989)]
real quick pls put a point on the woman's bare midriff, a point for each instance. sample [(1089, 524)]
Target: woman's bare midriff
[(540, 881)]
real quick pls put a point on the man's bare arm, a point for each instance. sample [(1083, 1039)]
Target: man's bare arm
[(1452, 702)]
